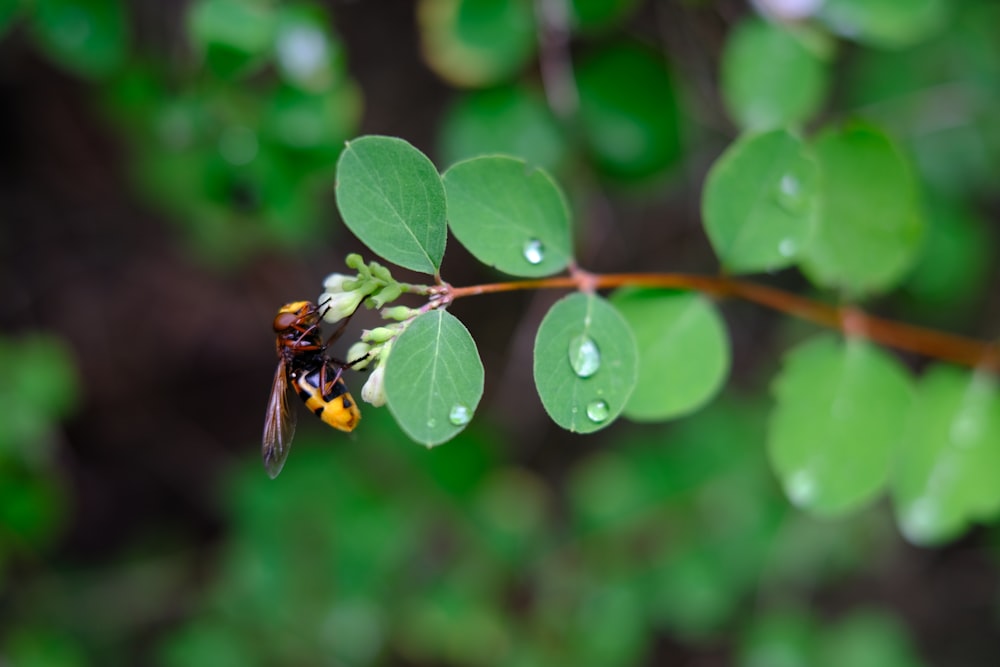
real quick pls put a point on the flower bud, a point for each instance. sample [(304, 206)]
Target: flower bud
[(338, 305), (399, 313), (379, 334), (360, 355), (387, 294), (335, 282), (373, 391)]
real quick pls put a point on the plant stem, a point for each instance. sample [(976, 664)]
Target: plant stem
[(847, 319)]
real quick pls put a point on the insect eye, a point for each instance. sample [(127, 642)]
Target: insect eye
[(284, 321)]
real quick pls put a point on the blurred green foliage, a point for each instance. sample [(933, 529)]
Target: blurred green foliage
[(377, 552), (386, 552), (235, 138), (39, 387)]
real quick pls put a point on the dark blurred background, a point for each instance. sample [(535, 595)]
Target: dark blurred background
[(166, 174)]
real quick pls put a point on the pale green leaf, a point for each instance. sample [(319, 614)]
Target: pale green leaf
[(840, 410), (683, 351), (769, 78), (885, 23), (761, 201), (870, 225), (947, 463)]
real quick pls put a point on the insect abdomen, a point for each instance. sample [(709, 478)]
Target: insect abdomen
[(336, 408)]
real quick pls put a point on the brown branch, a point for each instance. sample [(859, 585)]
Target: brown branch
[(849, 320)]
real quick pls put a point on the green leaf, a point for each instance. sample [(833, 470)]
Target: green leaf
[(870, 225), (40, 387), (956, 260), (391, 197), (885, 23), (683, 351), (10, 11), (600, 15), (206, 642), (585, 363), (42, 646), (946, 472), (434, 378), (628, 112), (85, 36), (509, 215), (476, 43), (244, 26), (234, 35), (769, 78), (510, 119), (868, 638), (779, 639), (761, 202), (962, 156), (840, 409), (321, 122)]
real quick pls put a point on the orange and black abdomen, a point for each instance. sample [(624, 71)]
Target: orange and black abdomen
[(335, 405)]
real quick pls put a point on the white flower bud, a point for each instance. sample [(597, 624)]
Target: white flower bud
[(373, 391), (335, 306), (335, 282)]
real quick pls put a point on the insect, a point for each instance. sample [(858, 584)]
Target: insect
[(304, 365)]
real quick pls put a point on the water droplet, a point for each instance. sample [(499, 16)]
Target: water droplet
[(598, 411), (964, 431), (534, 251), (431, 423), (459, 415), (921, 521), (787, 247), (791, 194), (584, 356), (801, 488)]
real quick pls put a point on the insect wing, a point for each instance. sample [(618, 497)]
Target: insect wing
[(279, 424)]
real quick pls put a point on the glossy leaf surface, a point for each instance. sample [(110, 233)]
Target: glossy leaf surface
[(585, 364), (509, 215), (434, 378), (391, 197)]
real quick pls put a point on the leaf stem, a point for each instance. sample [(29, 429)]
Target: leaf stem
[(847, 319)]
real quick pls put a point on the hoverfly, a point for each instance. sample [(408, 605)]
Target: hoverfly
[(304, 365)]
